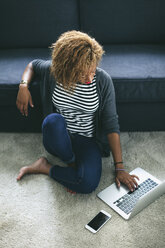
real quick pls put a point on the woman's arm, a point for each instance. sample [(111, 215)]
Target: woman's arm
[(121, 175), (24, 97)]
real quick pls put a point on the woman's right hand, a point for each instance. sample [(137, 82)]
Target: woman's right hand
[(23, 99)]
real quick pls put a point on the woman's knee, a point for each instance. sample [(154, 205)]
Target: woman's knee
[(90, 178), (89, 186), (53, 121)]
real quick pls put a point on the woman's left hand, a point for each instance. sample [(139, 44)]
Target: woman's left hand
[(127, 179)]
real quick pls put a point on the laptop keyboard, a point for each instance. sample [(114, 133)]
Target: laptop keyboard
[(127, 202)]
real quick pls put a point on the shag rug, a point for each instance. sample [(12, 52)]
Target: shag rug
[(38, 212)]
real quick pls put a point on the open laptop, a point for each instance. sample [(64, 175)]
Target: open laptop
[(127, 203)]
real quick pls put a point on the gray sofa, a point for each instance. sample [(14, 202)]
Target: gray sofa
[(131, 32)]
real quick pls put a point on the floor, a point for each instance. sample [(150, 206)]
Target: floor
[(39, 212)]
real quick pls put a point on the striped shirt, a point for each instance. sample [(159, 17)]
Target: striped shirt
[(78, 108)]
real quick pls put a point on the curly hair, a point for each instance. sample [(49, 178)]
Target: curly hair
[(72, 55)]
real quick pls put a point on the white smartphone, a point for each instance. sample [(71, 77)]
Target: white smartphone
[(98, 221)]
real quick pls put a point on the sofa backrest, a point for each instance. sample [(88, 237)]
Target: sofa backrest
[(36, 23), (124, 21)]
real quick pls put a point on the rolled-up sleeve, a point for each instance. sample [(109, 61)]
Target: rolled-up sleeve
[(109, 117)]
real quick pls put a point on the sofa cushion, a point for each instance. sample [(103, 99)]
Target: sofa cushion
[(137, 71), (13, 63), (36, 23), (124, 21)]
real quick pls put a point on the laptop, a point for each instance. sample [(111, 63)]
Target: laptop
[(127, 203)]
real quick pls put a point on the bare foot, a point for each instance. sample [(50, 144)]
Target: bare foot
[(40, 166)]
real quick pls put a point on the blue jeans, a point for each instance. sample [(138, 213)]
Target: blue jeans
[(72, 148)]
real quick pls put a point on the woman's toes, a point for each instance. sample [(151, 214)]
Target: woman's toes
[(70, 191), (21, 173)]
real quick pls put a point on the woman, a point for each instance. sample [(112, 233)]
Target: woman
[(81, 124)]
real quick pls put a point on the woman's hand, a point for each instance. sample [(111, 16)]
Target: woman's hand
[(23, 99), (127, 179)]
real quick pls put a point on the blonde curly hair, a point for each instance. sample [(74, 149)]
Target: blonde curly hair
[(72, 55)]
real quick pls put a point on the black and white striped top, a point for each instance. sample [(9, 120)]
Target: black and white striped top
[(78, 108)]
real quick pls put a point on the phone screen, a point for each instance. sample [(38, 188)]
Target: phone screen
[(98, 221)]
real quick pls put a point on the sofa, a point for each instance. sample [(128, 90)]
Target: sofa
[(132, 34)]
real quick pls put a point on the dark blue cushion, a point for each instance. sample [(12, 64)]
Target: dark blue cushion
[(138, 72), (124, 21), (35, 23), (13, 63)]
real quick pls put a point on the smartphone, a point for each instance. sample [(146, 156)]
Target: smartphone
[(98, 221)]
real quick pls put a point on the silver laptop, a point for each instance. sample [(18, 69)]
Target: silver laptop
[(127, 203)]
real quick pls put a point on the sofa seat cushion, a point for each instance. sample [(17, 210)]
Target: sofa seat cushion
[(13, 63), (138, 71)]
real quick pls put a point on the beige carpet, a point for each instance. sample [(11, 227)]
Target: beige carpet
[(38, 212)]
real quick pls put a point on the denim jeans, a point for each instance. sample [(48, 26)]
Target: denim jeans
[(72, 148)]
